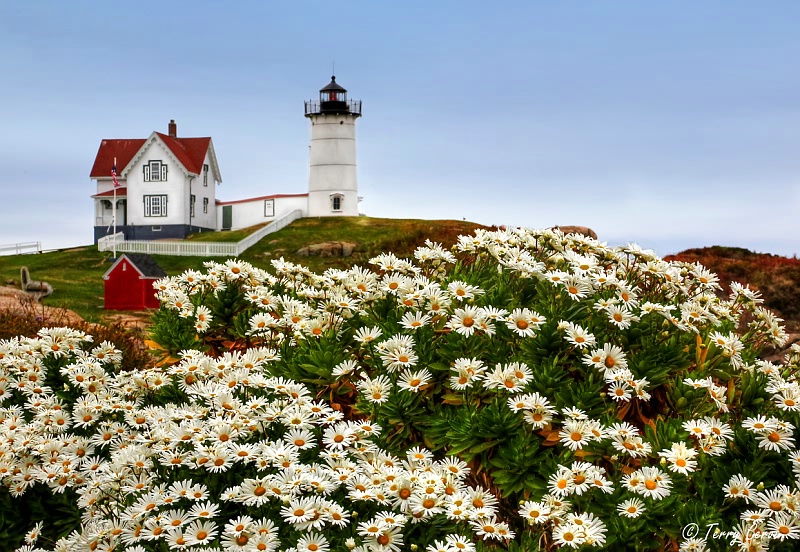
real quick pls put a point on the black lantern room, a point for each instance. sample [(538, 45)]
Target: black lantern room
[(333, 94), (333, 100)]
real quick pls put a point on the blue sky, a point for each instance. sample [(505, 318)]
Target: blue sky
[(670, 124)]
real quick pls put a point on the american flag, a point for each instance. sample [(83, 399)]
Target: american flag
[(114, 176)]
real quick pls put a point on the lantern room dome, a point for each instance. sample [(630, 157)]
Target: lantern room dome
[(333, 85)]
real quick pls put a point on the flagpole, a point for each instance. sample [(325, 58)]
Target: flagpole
[(114, 207)]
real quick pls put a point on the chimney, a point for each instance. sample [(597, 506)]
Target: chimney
[(173, 128)]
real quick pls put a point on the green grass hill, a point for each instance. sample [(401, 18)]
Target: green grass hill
[(77, 274)]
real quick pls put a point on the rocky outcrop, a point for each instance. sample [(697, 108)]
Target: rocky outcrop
[(777, 278), (328, 249), (588, 232)]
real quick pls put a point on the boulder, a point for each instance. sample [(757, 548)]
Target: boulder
[(328, 249), (586, 231)]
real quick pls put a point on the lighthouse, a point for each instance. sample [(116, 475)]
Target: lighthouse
[(332, 178)]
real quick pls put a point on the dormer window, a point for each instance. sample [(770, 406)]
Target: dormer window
[(155, 171), (336, 202)]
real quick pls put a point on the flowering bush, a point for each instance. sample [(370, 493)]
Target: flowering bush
[(544, 391), (209, 452)]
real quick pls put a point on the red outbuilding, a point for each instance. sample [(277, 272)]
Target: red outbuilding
[(129, 283)]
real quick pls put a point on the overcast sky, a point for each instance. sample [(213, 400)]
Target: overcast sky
[(670, 124)]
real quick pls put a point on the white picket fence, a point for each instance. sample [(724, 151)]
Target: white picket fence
[(186, 248), (19, 248)]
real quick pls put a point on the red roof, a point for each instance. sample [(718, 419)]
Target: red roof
[(191, 152), (276, 196), (121, 192), (123, 150)]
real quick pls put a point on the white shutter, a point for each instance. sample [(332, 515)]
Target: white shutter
[(147, 173), (163, 172)]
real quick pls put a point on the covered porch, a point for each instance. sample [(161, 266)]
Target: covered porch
[(104, 212), (104, 208)]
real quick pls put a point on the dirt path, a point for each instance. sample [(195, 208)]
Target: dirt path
[(130, 319)]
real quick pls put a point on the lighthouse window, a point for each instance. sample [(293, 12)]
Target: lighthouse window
[(337, 203)]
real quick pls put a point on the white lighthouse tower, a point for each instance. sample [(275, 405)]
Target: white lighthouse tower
[(332, 178)]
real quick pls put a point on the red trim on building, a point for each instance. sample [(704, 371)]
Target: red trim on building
[(276, 196)]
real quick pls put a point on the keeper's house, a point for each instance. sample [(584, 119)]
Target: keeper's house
[(167, 186)]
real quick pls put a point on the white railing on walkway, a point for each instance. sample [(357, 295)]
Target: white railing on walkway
[(274, 226), (194, 249), (19, 248)]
